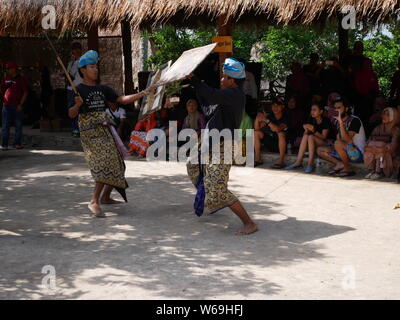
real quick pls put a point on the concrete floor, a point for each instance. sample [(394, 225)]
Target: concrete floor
[(319, 238)]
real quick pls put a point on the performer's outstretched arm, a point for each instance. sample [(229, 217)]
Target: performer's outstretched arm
[(211, 95), (131, 98)]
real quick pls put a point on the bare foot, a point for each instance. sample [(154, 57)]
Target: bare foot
[(339, 166), (110, 201), (247, 229), (96, 210)]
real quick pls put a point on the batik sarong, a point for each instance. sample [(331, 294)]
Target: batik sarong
[(215, 179), (101, 153)]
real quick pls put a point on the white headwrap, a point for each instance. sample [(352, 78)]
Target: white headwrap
[(391, 113)]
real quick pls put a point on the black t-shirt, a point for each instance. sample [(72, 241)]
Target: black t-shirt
[(325, 124), (271, 117), (354, 125), (94, 97), (223, 107), (283, 120)]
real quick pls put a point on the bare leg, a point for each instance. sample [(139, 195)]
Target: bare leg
[(323, 152), (378, 168), (311, 151), (282, 147), (105, 198), (313, 143), (340, 148), (94, 204), (249, 226), (302, 150), (258, 135)]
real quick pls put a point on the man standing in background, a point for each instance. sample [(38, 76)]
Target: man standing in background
[(14, 91), (72, 69)]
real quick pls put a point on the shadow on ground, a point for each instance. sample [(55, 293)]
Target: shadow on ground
[(155, 242)]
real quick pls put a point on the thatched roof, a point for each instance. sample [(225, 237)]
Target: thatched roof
[(24, 16)]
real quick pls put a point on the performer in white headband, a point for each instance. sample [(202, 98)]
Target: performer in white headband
[(225, 109)]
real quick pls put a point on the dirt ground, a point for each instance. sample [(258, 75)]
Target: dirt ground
[(319, 238)]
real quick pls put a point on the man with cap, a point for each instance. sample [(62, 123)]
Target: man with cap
[(224, 108), (270, 129), (14, 90), (104, 159)]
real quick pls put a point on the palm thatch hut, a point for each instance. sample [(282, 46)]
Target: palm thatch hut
[(25, 16)]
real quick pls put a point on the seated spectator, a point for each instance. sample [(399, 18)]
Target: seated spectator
[(194, 120), (270, 129), (382, 147), (169, 113), (296, 117), (118, 114), (349, 144), (316, 131), (138, 142)]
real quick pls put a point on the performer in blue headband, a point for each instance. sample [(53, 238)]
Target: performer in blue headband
[(105, 161), (225, 109)]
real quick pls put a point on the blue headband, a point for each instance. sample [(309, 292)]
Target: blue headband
[(234, 69), (90, 57)]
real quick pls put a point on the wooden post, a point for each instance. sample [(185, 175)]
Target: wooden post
[(224, 29), (343, 38), (93, 42), (93, 38), (127, 53)]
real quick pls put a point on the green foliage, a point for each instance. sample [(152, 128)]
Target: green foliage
[(173, 88), (244, 40), (281, 46), (171, 42), (384, 51)]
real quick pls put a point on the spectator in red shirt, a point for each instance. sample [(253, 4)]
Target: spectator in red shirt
[(395, 85), (14, 90), (364, 82), (138, 143)]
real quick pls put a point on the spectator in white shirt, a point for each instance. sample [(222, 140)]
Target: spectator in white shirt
[(118, 114)]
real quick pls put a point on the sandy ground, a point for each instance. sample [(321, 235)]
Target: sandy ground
[(319, 238)]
